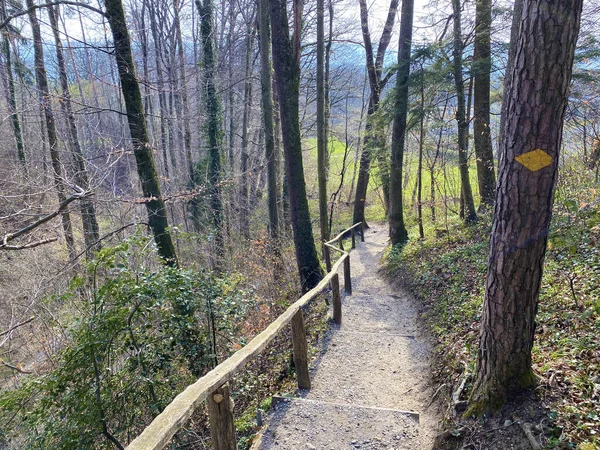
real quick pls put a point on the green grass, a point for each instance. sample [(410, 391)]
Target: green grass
[(447, 271)]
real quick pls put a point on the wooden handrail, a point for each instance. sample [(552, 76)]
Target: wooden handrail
[(164, 426)]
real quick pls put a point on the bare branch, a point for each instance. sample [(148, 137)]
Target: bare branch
[(14, 327), (11, 236), (46, 5)]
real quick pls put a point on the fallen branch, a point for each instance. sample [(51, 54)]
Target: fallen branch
[(17, 367), (30, 245), (14, 327), (61, 207)]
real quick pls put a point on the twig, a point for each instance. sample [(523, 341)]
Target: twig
[(17, 367), (435, 394), (61, 207), (14, 327)]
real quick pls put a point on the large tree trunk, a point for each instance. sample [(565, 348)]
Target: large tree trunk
[(529, 157), (463, 125), (398, 233), (44, 97), (287, 72), (155, 206), (213, 121), (91, 230), (267, 116), (321, 125), (481, 102)]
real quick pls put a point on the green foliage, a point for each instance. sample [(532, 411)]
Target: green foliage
[(141, 336), (447, 270)]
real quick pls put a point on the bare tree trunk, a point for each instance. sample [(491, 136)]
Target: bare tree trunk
[(91, 230), (482, 65), (463, 157), (10, 94), (267, 113), (374, 70), (420, 164), (44, 97), (245, 207), (398, 233), (321, 125), (155, 206), (286, 60), (529, 158)]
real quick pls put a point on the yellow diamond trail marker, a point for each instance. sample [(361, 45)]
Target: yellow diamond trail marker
[(535, 159)]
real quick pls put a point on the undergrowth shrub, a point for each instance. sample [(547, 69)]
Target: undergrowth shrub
[(140, 335)]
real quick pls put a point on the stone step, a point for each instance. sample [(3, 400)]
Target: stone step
[(304, 424)]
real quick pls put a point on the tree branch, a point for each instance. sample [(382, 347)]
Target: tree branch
[(46, 5), (14, 327), (61, 207)]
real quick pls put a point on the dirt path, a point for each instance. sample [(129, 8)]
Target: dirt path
[(370, 383)]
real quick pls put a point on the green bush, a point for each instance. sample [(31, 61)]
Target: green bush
[(140, 336)]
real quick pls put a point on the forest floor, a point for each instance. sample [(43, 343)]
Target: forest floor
[(371, 385)]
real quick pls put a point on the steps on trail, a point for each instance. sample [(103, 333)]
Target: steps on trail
[(301, 424), (369, 377)]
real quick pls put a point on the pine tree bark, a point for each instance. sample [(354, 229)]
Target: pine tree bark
[(537, 99), (482, 66), (91, 230), (213, 121), (267, 117), (45, 102), (286, 60), (463, 158), (142, 150), (398, 233)]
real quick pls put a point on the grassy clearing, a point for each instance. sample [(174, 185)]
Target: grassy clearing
[(447, 271)]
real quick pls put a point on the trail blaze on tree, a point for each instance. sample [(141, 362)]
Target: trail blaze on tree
[(539, 81)]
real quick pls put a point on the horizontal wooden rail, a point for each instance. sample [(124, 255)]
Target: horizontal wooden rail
[(164, 426)]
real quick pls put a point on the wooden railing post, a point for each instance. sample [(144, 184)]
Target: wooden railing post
[(353, 233), (337, 301), (347, 278), (222, 428), (362, 232), (300, 350), (341, 243), (327, 255)]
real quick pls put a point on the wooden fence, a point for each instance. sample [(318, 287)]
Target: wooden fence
[(213, 386)]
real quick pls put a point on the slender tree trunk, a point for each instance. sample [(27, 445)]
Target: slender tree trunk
[(481, 128), (398, 233), (372, 138), (155, 206), (267, 117), (245, 207), (91, 230), (213, 121), (529, 158), (231, 97), (45, 101), (321, 126), (162, 101), (420, 164), (286, 60), (463, 162), (10, 94)]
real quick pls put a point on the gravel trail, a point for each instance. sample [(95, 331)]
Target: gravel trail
[(370, 384)]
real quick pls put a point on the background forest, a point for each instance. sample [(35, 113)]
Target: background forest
[(160, 203)]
